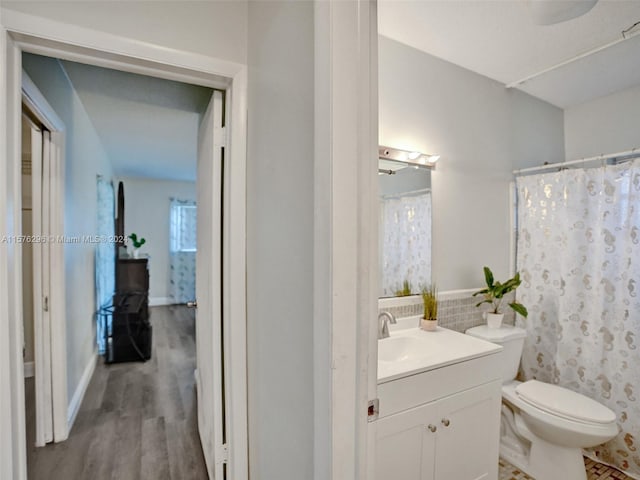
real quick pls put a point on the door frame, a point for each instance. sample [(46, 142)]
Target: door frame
[(345, 237), (57, 401), (21, 32)]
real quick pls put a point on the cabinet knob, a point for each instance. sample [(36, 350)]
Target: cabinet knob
[(432, 428), (445, 422)]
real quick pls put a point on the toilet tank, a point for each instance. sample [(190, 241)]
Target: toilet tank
[(512, 341)]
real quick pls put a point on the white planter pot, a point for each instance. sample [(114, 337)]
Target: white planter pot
[(136, 252), (494, 320), (429, 325)]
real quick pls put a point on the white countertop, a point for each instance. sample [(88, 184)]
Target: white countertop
[(410, 351)]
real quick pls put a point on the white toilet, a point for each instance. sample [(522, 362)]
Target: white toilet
[(543, 426)]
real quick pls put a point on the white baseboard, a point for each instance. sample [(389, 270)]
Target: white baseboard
[(29, 369), (81, 389), (159, 301)]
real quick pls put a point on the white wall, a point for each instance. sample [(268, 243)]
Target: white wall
[(217, 29), (147, 214), (605, 125), (85, 159), (482, 132), (280, 240)]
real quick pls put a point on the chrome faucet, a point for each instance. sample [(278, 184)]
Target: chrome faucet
[(383, 327)]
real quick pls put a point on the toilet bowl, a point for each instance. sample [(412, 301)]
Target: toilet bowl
[(544, 426)]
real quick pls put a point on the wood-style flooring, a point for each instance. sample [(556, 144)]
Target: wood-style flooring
[(137, 420)]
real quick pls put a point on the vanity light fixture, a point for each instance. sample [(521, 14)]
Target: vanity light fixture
[(409, 158)]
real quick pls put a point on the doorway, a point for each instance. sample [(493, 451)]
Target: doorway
[(165, 380), (40, 268), (234, 293), (36, 278)]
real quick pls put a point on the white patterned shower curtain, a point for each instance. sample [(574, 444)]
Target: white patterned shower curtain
[(182, 251), (579, 258), (405, 242), (105, 257)]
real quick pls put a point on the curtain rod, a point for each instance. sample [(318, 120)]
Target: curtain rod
[(627, 154), (624, 38)]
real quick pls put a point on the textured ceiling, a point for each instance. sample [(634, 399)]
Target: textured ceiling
[(499, 39), (148, 126)]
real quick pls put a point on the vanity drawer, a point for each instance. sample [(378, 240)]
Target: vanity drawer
[(404, 393)]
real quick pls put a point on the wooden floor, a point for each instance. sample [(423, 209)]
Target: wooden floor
[(137, 421)]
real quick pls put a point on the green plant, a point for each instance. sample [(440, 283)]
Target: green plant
[(430, 301), (137, 243), (406, 289), (495, 292)]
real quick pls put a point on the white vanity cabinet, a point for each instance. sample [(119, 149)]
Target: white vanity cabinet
[(467, 448), (452, 438), (441, 424)]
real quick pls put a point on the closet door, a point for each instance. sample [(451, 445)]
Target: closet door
[(40, 184)]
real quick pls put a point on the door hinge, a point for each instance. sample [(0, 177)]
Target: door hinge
[(220, 137), (373, 410), (45, 304), (223, 453)]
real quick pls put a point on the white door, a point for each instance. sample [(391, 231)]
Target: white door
[(40, 152), (209, 345)]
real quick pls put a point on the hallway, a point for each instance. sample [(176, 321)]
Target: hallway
[(138, 420)]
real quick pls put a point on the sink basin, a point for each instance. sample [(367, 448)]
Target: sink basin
[(398, 349), (410, 351)]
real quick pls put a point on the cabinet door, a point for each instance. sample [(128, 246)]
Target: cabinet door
[(469, 434), (405, 446)]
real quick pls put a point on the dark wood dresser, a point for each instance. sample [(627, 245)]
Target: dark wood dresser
[(130, 336)]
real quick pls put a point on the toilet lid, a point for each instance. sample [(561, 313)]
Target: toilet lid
[(498, 335), (563, 402)]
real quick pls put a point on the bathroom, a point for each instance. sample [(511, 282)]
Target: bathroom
[(440, 99)]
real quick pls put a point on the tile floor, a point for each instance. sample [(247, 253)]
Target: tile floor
[(595, 471)]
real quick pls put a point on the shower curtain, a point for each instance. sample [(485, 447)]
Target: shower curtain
[(579, 258), (405, 242), (105, 257), (182, 251)]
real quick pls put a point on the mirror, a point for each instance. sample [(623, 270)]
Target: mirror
[(404, 228)]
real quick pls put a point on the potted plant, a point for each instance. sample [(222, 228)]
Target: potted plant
[(137, 243), (405, 291), (429, 320), (494, 295)]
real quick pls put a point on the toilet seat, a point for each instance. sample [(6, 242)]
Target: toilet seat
[(562, 430), (564, 403)]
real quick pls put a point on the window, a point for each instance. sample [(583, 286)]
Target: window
[(183, 226)]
